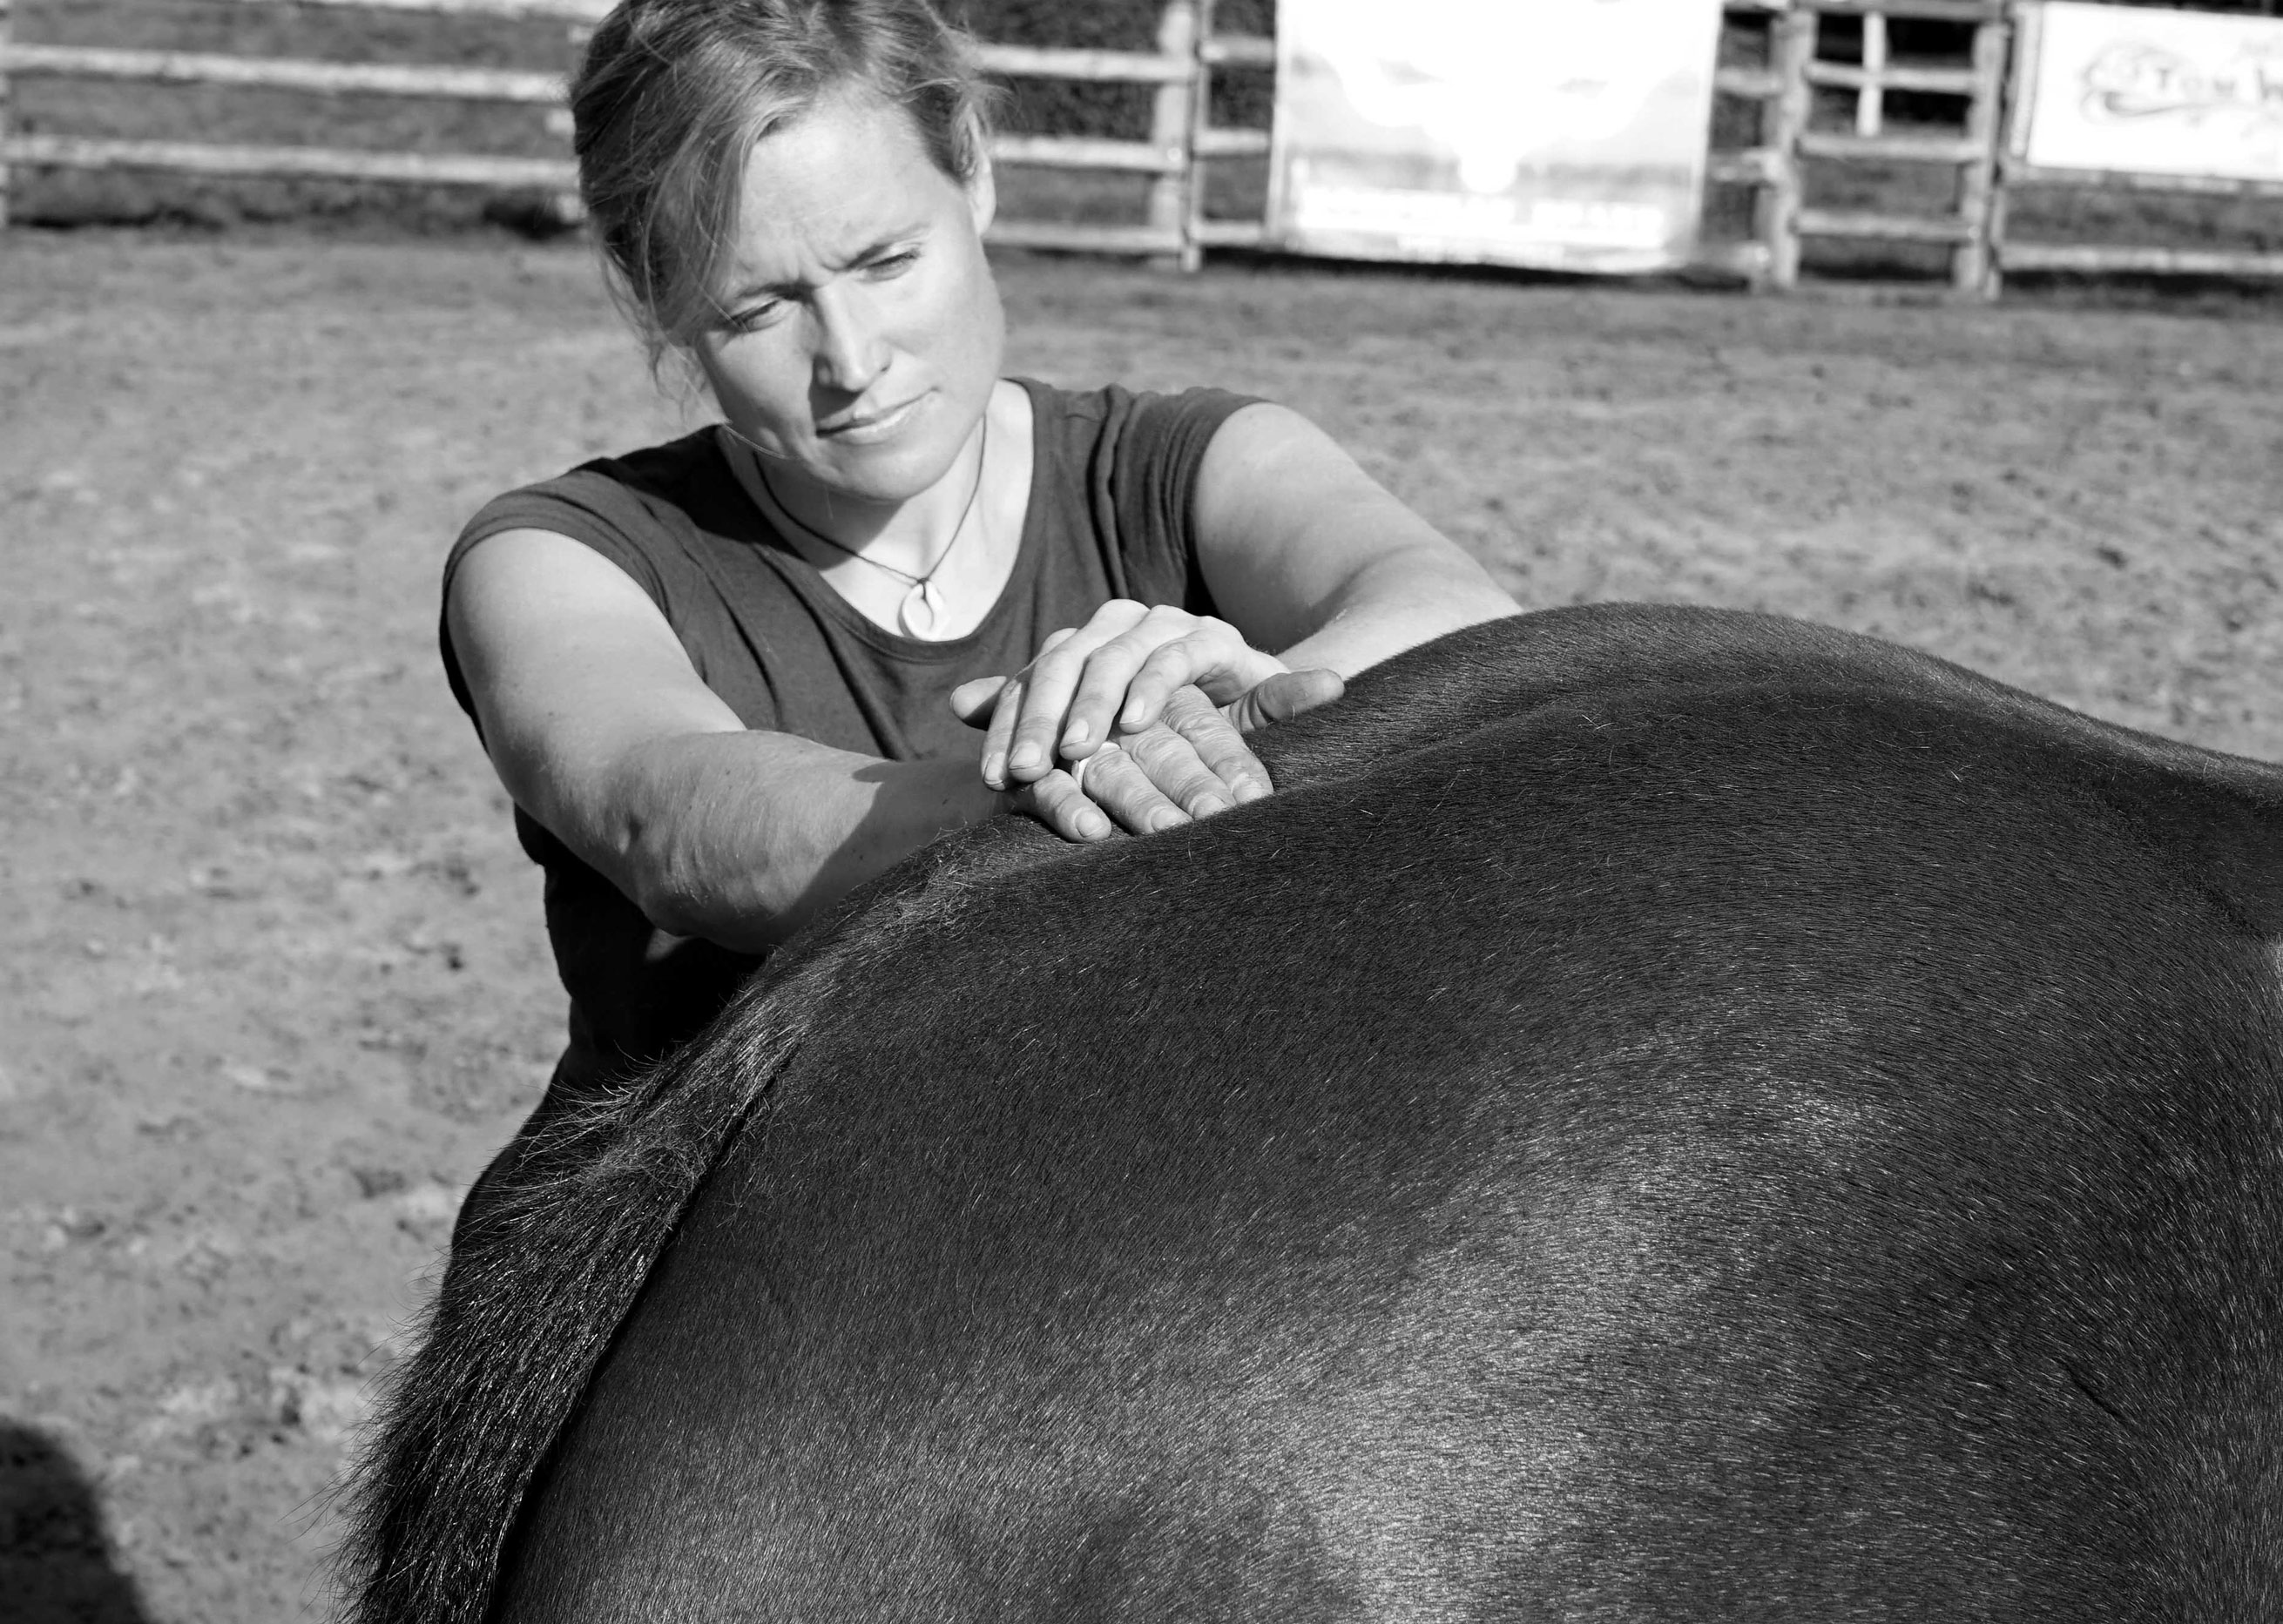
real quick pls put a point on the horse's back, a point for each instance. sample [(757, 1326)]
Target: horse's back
[(1794, 1148)]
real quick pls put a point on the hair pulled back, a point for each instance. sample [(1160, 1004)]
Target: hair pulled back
[(672, 95)]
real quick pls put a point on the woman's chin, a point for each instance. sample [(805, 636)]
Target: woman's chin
[(875, 482), (891, 471)]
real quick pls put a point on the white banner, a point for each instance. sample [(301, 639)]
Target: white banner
[(1567, 134), (2150, 92)]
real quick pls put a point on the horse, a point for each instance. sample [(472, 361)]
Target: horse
[(1665, 1114)]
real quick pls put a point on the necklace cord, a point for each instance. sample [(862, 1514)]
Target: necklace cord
[(918, 583)]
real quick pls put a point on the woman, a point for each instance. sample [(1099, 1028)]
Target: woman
[(726, 679)]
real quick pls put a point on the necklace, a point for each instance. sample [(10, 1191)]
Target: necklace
[(921, 610)]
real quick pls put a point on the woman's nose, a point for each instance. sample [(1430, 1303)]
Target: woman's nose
[(851, 350)]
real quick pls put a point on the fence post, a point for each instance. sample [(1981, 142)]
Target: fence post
[(1871, 98), (4, 115), (1172, 131), (1777, 212), (1193, 212), (569, 208), (1972, 265)]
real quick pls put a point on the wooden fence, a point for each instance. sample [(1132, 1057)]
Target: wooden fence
[(1783, 220), (1183, 142), (1180, 142), (1975, 230), (2017, 175)]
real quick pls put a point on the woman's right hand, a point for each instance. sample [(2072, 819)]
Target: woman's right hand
[(1192, 762), (1090, 685)]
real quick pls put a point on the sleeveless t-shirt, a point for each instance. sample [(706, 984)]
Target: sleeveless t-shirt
[(1112, 487)]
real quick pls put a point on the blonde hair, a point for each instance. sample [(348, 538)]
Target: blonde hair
[(672, 95)]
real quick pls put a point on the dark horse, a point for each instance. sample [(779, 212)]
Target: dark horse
[(1667, 1115)]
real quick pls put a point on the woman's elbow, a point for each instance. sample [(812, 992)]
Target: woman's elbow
[(671, 909), (682, 895)]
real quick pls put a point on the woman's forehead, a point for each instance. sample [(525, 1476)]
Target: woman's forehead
[(832, 183)]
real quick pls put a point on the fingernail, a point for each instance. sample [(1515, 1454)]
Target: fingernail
[(1025, 757), (994, 770), (1167, 817), (1131, 717), (1250, 789), (1078, 734), (1093, 826), (1207, 806)]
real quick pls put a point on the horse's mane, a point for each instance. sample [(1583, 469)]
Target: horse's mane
[(542, 1278)]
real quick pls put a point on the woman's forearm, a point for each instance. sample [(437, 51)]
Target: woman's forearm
[(1397, 603), (1312, 558), (744, 838)]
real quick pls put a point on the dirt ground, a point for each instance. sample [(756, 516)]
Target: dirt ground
[(272, 980)]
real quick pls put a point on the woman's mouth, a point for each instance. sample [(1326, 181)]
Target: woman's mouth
[(859, 429)]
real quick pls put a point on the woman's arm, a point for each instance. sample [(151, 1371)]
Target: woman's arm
[(1307, 555), (1302, 551), (600, 728)]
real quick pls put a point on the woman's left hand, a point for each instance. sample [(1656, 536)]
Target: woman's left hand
[(1190, 764), (1111, 676)]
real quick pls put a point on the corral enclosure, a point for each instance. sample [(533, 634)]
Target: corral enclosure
[(220, 114), (271, 967), (275, 984), (1843, 141)]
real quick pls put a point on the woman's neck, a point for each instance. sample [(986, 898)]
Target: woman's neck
[(960, 536), (910, 537)]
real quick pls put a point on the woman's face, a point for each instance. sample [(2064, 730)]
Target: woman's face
[(862, 332)]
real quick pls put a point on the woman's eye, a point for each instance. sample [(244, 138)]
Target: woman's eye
[(751, 318)]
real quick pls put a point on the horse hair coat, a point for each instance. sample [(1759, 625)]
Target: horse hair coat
[(1666, 1115)]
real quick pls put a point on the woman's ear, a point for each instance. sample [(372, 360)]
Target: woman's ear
[(689, 380), (982, 187)]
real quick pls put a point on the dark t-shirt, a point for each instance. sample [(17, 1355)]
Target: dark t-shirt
[(1112, 487)]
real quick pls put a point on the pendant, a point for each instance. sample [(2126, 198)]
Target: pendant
[(921, 611)]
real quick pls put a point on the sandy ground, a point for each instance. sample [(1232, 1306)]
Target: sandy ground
[(272, 981)]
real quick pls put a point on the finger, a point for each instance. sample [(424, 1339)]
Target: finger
[(999, 732), (1220, 747), (1285, 695), (1109, 671), (1105, 691), (1057, 801), (1117, 781), (1169, 667), (1181, 774), (1050, 682), (1224, 666), (972, 703), (1006, 711)]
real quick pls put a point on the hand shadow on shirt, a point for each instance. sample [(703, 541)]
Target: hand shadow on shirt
[(56, 1565)]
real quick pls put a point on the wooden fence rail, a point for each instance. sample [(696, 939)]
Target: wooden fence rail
[(487, 84), (2017, 175), (1183, 142), (1180, 139), (586, 12)]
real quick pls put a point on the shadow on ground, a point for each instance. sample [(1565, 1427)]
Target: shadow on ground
[(56, 1564)]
